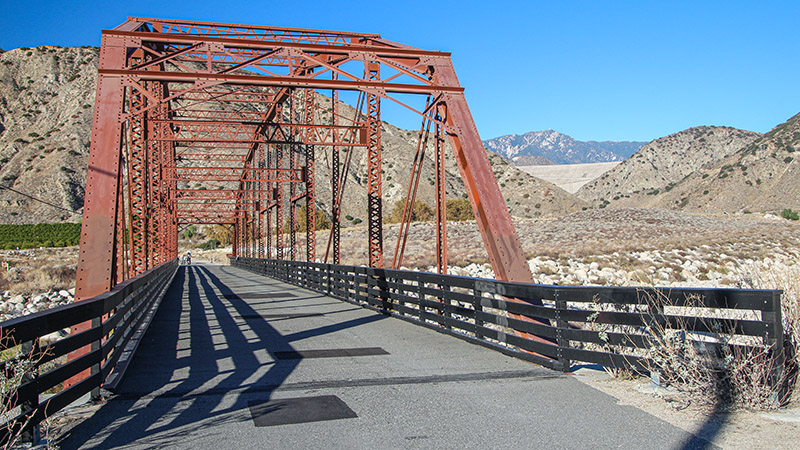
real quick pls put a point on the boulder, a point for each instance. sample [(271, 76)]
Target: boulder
[(581, 275)]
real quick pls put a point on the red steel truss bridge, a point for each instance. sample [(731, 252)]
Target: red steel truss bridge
[(210, 123)]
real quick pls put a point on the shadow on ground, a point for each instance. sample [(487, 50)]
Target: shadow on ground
[(153, 401)]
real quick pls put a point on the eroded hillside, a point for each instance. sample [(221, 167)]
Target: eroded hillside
[(661, 164)]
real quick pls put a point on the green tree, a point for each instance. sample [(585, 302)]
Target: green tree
[(422, 212), (189, 232), (459, 209), (220, 234), (322, 222)]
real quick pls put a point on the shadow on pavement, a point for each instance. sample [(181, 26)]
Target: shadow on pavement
[(173, 403)]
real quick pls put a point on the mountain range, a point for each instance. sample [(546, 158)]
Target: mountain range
[(541, 147)]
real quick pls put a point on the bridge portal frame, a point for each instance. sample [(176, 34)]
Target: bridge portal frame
[(152, 70)]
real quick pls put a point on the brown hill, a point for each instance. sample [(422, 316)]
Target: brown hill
[(762, 176), (46, 101), (662, 163)]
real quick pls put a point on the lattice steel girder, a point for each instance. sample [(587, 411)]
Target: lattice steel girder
[(284, 133), (238, 96), (210, 219), (379, 87), (220, 157), (374, 189), (137, 159), (223, 194), (225, 115), (255, 32), (216, 208), (236, 174)]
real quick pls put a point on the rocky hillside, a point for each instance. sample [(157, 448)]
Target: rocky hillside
[(662, 163), (762, 176), (559, 148), (46, 101)]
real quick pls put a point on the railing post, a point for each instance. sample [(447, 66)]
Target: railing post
[(776, 344), (328, 279), (446, 305), (31, 354), (563, 362), (477, 296), (95, 369), (423, 314)]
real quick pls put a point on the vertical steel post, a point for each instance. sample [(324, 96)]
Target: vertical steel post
[(137, 181), (441, 195), (95, 274), (311, 200), (374, 191), (278, 195)]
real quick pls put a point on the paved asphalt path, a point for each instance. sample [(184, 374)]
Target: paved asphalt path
[(234, 360)]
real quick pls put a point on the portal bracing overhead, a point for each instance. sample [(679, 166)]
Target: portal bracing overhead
[(211, 123)]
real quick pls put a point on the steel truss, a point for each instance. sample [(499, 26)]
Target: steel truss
[(199, 122)]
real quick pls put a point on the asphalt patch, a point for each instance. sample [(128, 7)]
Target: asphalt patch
[(299, 410), (331, 353), (279, 316), (254, 295)]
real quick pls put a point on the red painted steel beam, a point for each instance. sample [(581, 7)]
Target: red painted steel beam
[(278, 81), (382, 51), (252, 31), (96, 257), (237, 174)]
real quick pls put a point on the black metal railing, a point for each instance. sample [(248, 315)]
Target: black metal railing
[(554, 326), (115, 317)]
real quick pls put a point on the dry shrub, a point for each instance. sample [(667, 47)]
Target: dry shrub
[(787, 279), (21, 364), (719, 368), (33, 280)]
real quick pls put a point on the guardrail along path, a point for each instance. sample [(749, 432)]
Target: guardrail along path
[(237, 360)]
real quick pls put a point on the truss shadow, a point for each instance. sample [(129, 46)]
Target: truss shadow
[(177, 382)]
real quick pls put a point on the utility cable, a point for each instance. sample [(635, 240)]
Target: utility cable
[(38, 199)]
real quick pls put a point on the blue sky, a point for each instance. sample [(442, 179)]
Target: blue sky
[(594, 70)]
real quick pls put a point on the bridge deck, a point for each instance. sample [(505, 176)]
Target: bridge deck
[(235, 360)]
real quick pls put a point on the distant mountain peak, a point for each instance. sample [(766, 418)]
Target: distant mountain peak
[(558, 148)]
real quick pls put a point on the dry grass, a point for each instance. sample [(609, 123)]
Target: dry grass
[(34, 271)]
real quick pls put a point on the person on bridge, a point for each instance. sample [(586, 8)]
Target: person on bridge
[(188, 258)]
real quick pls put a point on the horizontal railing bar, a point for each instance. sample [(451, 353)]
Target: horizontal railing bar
[(492, 313), (119, 310)]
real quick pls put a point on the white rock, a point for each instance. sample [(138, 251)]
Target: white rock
[(64, 293), (581, 275), (17, 299), (594, 266)]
